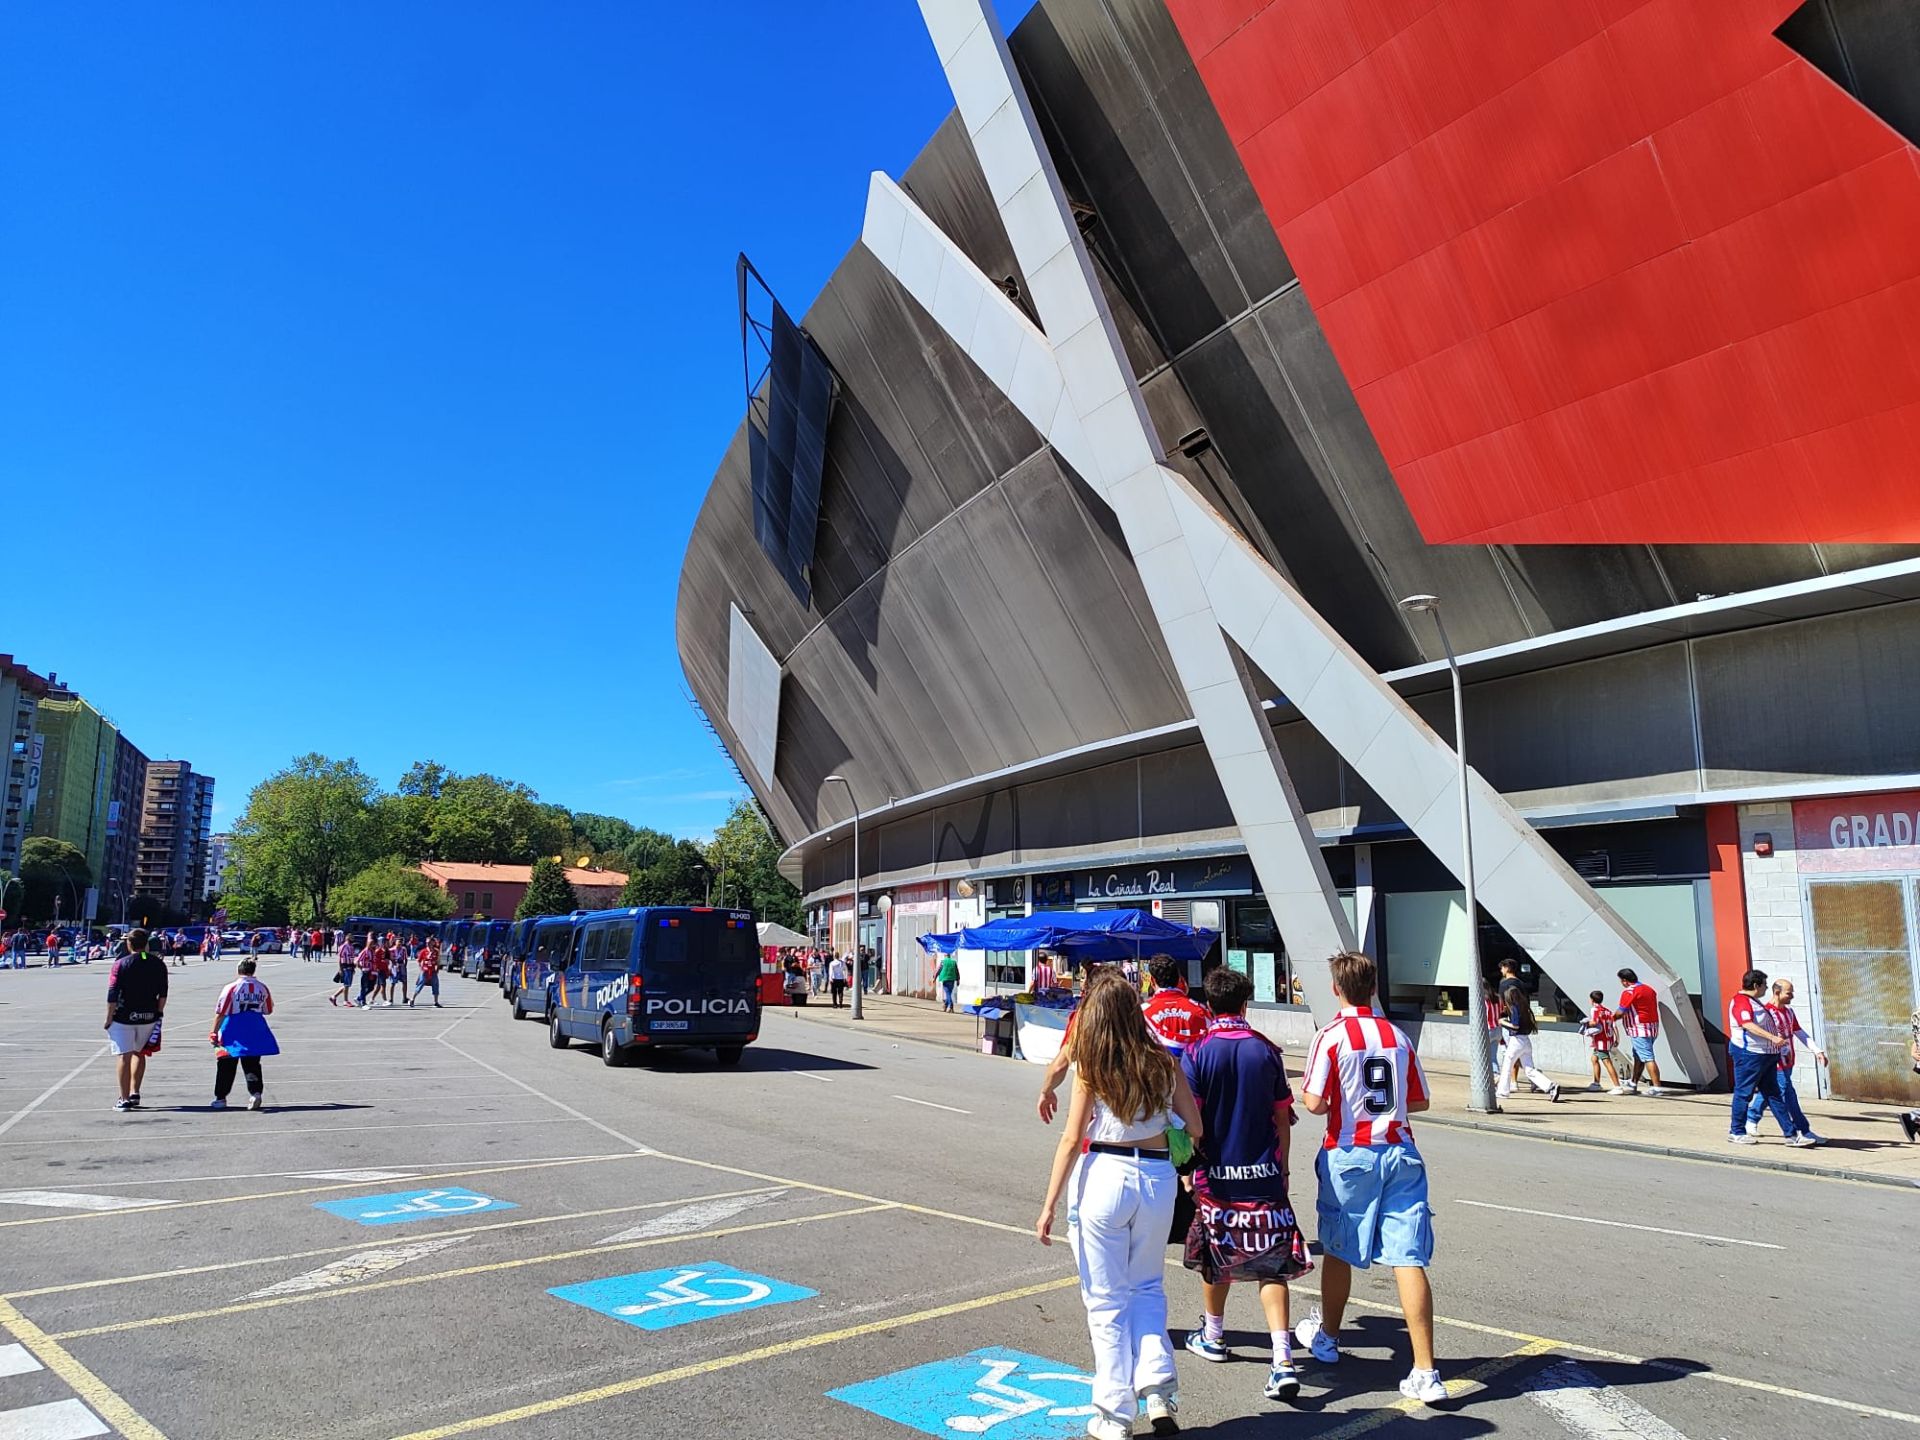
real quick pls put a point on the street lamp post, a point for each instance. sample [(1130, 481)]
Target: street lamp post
[(854, 806), (1480, 1096)]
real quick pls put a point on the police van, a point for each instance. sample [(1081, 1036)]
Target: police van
[(658, 978), (548, 946)]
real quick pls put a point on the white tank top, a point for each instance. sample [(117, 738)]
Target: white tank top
[(1106, 1128)]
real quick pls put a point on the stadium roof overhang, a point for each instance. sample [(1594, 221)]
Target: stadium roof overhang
[(1709, 615)]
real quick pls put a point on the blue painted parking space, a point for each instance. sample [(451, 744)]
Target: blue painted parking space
[(1007, 1394), (405, 1205), (680, 1295)]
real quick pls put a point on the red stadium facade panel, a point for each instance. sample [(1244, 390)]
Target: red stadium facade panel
[(1597, 270)]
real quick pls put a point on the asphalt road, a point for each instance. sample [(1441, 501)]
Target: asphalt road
[(873, 1199)]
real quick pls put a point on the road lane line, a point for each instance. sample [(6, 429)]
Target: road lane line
[(729, 1362), (169, 1136), (14, 1360), (809, 1075), (52, 1090), (55, 1420), (1459, 1387), (494, 1267), (363, 1265), (932, 1105), (1620, 1225), (580, 1115), (103, 1400), (400, 1171), (68, 1200), (149, 1207), (1685, 1372), (695, 1216), (113, 1281), (1585, 1404)]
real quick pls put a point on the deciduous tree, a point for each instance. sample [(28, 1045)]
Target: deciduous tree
[(306, 829), (392, 887), (548, 892)]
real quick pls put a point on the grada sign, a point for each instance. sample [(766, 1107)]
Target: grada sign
[(1859, 832)]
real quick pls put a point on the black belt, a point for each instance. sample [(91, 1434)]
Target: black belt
[(1139, 1152)]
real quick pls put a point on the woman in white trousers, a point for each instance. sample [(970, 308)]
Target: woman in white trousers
[(1121, 1187)]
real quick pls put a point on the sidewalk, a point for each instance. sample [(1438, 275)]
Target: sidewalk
[(1865, 1142)]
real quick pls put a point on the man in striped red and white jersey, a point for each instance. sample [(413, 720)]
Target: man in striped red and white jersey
[(1363, 1075)]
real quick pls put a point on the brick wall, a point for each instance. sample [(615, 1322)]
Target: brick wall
[(1776, 920)]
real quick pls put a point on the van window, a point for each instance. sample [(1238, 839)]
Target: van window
[(666, 942), (620, 943), (596, 944)]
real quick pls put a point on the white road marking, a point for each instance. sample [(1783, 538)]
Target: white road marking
[(17, 1360), (809, 1075), (1620, 1225), (47, 1094), (933, 1105), (173, 1137), (702, 1216), (362, 1266), (406, 1173), (368, 1176), (68, 1200), (62, 1420), (1591, 1408)]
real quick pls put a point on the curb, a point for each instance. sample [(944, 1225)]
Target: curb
[(799, 1012), (1519, 1132), (1636, 1147)]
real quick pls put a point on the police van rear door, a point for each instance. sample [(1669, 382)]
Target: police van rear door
[(700, 975)]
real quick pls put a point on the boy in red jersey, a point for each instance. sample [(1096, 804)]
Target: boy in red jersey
[(1373, 1209)]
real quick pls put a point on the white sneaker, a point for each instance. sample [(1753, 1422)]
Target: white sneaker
[(1158, 1408), (256, 1102), (1424, 1386), (1805, 1142), (1105, 1427), (1621, 1090), (1323, 1346), (1553, 1096), (1742, 1137), (1653, 1090)]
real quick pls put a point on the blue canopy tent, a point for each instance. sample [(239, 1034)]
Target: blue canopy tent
[(1096, 935)]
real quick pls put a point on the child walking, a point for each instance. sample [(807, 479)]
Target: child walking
[(1113, 1164), (1599, 1030)]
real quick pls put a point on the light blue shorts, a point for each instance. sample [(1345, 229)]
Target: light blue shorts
[(1642, 1048), (1373, 1206)]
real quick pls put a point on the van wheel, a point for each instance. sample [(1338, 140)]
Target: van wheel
[(612, 1053), (519, 1008), (556, 1037), (729, 1054)]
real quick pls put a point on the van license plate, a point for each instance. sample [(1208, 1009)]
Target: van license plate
[(668, 1024)]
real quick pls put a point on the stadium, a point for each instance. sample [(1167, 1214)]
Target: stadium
[(1594, 321)]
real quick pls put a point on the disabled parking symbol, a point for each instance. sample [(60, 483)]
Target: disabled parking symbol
[(1006, 1394), (680, 1295), (405, 1205)]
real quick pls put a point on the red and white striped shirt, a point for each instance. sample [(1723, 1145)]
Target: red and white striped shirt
[(1365, 1067), (1639, 1011), (1786, 1025), (1744, 1010), (246, 993), (1600, 1028)]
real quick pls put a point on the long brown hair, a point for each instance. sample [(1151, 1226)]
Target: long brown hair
[(1127, 1070)]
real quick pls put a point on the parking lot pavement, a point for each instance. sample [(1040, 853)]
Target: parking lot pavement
[(440, 1226)]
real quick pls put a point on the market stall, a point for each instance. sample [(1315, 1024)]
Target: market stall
[(1037, 1026)]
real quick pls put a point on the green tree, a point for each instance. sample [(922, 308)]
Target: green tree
[(678, 877), (645, 848), (405, 823), (745, 855), (482, 817), (424, 779), (54, 870), (548, 892), (604, 834), (254, 907), (305, 830), (392, 886)]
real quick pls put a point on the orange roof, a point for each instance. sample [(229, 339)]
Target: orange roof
[(454, 872)]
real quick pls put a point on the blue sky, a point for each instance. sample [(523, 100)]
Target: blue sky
[(362, 366)]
